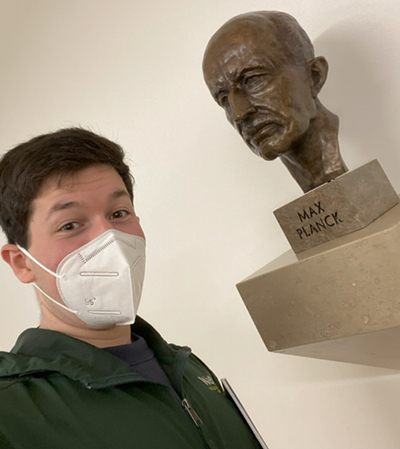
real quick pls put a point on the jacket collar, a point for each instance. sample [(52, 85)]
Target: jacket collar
[(42, 350)]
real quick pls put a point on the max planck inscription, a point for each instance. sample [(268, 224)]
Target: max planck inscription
[(344, 205), (260, 67), (322, 221)]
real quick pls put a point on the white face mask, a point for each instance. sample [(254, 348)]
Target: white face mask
[(102, 281)]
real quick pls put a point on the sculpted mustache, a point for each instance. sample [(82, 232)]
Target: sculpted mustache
[(254, 125)]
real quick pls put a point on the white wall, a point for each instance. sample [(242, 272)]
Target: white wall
[(132, 71)]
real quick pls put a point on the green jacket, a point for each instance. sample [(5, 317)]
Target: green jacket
[(57, 392)]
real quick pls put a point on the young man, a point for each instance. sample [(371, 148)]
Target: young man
[(94, 375)]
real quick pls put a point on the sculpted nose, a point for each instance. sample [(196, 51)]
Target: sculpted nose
[(241, 106)]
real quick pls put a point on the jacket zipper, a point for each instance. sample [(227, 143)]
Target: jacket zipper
[(195, 417), (199, 423)]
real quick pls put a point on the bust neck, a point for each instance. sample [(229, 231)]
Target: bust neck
[(316, 158)]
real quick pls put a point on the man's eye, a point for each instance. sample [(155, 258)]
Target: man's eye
[(119, 214), (70, 226)]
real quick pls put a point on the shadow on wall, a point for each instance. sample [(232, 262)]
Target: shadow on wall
[(363, 90)]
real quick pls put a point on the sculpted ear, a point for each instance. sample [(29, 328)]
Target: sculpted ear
[(19, 263), (318, 70)]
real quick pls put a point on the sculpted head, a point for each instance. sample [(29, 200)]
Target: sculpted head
[(261, 68)]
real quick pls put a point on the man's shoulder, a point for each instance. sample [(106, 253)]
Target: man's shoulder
[(5, 385), (12, 368)]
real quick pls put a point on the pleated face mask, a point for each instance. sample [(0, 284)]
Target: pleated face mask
[(102, 281)]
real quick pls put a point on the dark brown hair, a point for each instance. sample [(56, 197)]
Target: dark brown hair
[(25, 168)]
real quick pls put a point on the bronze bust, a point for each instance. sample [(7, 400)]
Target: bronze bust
[(261, 68)]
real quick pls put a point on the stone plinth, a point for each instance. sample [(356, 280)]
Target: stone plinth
[(344, 205), (341, 301)]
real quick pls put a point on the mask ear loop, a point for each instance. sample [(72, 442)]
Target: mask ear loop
[(49, 271), (38, 263), (55, 302)]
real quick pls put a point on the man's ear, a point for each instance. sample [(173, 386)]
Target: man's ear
[(19, 263), (318, 70)]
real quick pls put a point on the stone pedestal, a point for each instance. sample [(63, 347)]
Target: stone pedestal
[(339, 300)]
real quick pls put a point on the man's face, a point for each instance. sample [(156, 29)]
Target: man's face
[(68, 216), (266, 97)]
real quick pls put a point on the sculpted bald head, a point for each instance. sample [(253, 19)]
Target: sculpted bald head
[(260, 67), (258, 26)]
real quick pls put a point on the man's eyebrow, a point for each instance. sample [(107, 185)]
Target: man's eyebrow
[(118, 194), (63, 206), (75, 204)]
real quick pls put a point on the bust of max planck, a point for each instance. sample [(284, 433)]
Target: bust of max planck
[(261, 68)]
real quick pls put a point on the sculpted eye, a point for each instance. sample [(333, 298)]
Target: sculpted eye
[(222, 100), (256, 82)]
